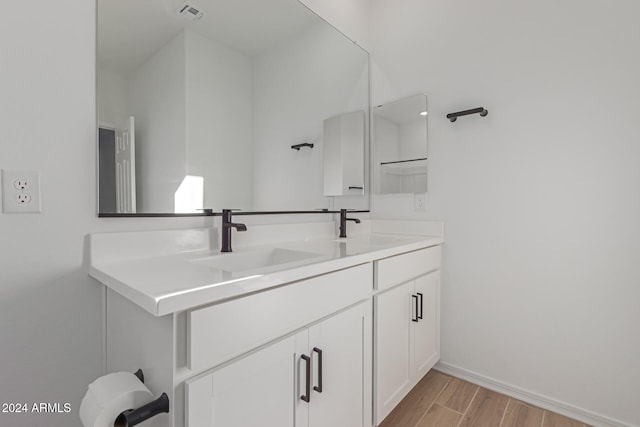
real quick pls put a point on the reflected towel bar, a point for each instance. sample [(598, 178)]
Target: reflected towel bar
[(454, 116), (304, 144), (403, 161)]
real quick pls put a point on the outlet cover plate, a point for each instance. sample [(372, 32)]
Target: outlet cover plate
[(20, 191)]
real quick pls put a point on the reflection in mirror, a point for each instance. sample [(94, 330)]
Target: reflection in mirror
[(202, 107), (400, 148), (343, 138)]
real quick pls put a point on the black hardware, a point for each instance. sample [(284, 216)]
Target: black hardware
[(318, 387), (304, 144), (227, 225), (403, 161), (415, 298), (343, 222), (136, 416), (206, 211), (307, 396), (421, 298), (317, 211), (454, 116), (140, 375), (353, 187)]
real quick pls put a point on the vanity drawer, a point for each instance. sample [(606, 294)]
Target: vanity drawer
[(221, 332), (401, 268)]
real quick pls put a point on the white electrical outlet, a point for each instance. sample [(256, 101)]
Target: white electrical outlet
[(20, 191), (21, 184), (420, 202)]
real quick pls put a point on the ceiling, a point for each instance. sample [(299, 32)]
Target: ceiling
[(130, 31)]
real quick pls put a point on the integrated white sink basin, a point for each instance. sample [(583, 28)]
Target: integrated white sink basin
[(256, 260), (372, 239)]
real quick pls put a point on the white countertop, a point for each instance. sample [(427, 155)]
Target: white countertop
[(164, 283)]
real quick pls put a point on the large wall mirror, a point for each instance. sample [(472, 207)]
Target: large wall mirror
[(400, 149), (200, 103)]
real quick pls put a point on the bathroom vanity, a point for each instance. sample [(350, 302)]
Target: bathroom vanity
[(315, 332)]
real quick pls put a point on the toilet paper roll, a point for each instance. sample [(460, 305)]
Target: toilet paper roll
[(110, 395)]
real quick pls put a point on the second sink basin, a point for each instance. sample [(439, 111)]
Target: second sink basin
[(253, 261)]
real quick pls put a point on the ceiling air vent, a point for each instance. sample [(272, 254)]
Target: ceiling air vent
[(190, 11)]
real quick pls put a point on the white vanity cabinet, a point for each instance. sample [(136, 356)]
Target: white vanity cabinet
[(255, 390), (407, 313), (315, 377), (240, 362), (340, 389), (351, 333)]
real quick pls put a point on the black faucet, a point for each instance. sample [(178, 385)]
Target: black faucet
[(227, 225), (343, 222)]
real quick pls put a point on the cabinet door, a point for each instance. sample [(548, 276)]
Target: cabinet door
[(426, 332), (336, 347), (394, 312), (256, 390)]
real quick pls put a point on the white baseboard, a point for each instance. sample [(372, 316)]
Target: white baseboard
[(566, 409)]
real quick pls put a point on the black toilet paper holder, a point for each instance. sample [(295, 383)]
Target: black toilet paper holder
[(134, 417)]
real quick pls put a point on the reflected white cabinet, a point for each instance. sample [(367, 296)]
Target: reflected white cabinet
[(407, 337), (316, 378), (343, 154)]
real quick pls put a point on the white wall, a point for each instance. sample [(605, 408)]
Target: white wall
[(295, 89), (157, 98), (540, 198), (192, 102), (50, 316), (50, 310), (412, 139), (350, 17), (219, 122), (112, 98)]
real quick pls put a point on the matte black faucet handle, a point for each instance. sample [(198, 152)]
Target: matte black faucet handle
[(227, 225), (343, 222)]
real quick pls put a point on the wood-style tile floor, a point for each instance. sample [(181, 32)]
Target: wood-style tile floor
[(445, 401)]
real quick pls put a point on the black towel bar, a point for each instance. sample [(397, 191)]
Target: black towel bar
[(304, 144), (454, 116)]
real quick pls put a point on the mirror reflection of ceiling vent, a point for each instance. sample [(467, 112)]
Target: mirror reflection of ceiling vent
[(190, 11)]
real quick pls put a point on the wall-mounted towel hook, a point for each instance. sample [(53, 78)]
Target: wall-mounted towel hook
[(454, 116), (304, 144)]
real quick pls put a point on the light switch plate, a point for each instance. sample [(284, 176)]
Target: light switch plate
[(20, 191)]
